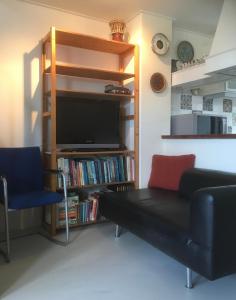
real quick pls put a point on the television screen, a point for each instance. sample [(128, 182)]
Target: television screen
[(86, 123)]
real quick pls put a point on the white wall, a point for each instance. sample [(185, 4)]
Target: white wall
[(154, 107), (201, 42), (210, 154), (22, 26), (225, 33)]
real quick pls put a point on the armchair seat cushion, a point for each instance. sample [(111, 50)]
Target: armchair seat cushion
[(33, 199)]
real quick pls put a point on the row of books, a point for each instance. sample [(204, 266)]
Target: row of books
[(73, 203), (88, 211), (89, 171), (79, 212)]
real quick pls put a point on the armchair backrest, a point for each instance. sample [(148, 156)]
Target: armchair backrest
[(22, 168)]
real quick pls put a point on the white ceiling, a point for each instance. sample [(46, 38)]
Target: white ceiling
[(194, 15)]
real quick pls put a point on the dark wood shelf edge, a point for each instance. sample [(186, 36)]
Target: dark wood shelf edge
[(91, 153), (91, 95), (84, 224), (78, 40), (199, 136), (69, 188), (91, 73)]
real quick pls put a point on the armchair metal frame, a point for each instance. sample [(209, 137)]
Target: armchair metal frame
[(3, 179)]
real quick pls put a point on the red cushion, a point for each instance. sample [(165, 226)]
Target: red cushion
[(167, 170)]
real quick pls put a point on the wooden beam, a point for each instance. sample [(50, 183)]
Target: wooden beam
[(136, 115)]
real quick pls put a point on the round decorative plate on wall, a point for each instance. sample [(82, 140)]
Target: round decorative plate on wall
[(160, 44), (158, 82), (185, 51)]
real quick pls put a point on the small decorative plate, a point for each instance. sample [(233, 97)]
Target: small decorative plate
[(158, 82), (185, 51), (160, 44)]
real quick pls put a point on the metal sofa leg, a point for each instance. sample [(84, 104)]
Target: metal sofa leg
[(118, 231), (189, 283)]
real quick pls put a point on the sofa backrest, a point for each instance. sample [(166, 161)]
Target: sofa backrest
[(194, 179)]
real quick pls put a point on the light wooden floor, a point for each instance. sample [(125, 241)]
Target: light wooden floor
[(97, 266)]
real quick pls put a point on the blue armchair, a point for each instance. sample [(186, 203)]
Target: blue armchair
[(21, 178)]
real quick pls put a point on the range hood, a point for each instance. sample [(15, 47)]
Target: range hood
[(220, 66), (222, 57), (226, 89)]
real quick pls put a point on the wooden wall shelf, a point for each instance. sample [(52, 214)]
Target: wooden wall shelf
[(83, 224), (98, 185), (47, 114), (74, 70), (91, 95), (91, 153), (128, 117), (90, 42)]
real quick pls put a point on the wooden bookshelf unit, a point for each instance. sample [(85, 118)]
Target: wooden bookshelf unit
[(51, 91)]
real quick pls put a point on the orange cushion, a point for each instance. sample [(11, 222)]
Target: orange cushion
[(167, 170)]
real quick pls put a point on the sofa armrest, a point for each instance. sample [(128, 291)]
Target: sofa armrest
[(213, 217)]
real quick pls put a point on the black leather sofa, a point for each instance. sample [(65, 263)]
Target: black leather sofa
[(196, 225)]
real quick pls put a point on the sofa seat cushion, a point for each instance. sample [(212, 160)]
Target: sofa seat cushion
[(153, 209)]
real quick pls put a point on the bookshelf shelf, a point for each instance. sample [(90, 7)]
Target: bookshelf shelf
[(77, 71), (90, 153), (91, 95), (47, 114), (128, 117), (121, 166), (83, 224), (98, 185), (79, 40), (94, 153)]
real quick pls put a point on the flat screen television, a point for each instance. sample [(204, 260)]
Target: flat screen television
[(87, 123)]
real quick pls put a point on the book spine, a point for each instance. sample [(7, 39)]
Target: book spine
[(85, 173), (89, 172), (94, 172)]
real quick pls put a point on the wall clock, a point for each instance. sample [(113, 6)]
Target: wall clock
[(160, 44), (185, 51)]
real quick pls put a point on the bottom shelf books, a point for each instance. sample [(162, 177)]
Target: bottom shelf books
[(73, 202), (80, 211)]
